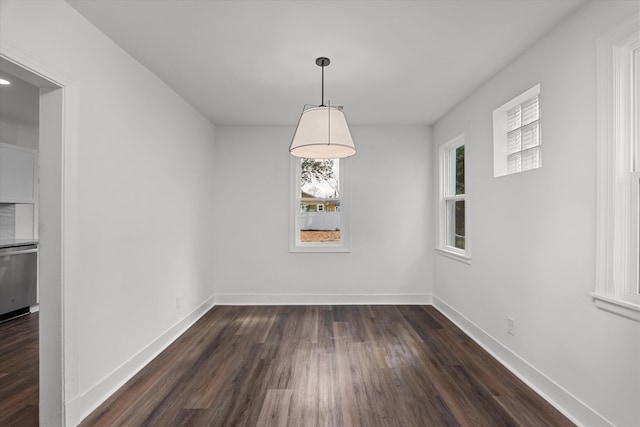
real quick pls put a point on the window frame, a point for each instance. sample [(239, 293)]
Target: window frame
[(295, 245), (617, 241), (444, 183), (501, 133), (635, 170)]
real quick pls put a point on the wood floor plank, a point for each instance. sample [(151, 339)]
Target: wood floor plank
[(330, 399), (275, 409), (326, 342), (305, 366), (303, 382), (421, 399)]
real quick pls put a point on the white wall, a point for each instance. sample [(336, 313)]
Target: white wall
[(533, 233), (391, 212), (137, 181), (17, 133)]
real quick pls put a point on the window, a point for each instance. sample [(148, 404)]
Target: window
[(618, 216), (516, 134), (318, 217), (453, 239)]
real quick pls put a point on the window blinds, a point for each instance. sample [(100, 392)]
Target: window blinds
[(523, 136)]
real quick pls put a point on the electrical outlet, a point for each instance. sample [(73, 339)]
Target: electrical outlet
[(511, 326), (178, 301)]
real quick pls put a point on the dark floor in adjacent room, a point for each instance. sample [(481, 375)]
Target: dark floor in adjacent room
[(19, 371)]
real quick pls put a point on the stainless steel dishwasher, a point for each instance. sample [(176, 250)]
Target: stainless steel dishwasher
[(18, 277)]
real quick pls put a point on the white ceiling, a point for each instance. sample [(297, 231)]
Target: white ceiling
[(392, 62)]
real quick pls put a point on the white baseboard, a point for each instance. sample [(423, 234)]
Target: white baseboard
[(572, 407), (81, 406), (322, 299)]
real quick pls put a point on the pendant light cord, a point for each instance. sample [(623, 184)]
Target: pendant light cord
[(322, 104), (322, 62)]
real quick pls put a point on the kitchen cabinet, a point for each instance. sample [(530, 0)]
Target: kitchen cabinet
[(18, 174)]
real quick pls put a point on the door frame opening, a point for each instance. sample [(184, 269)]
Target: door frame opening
[(54, 125)]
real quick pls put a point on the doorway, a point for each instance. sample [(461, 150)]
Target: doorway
[(49, 220)]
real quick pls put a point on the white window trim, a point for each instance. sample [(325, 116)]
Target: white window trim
[(617, 247), (442, 248), (500, 134), (295, 245)]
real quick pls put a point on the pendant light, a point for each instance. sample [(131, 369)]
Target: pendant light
[(322, 131)]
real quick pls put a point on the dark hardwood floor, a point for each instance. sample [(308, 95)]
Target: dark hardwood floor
[(325, 366), (19, 372)]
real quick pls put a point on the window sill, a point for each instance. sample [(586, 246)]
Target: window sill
[(617, 306), (454, 255), (317, 249)]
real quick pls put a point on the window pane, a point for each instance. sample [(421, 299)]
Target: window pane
[(531, 159), (514, 118), (514, 141), (321, 223), (460, 170), (530, 111), (451, 178), (514, 163), (455, 224), (320, 178), (531, 135), (455, 178)]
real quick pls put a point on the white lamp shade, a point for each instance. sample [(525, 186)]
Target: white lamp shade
[(322, 133)]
